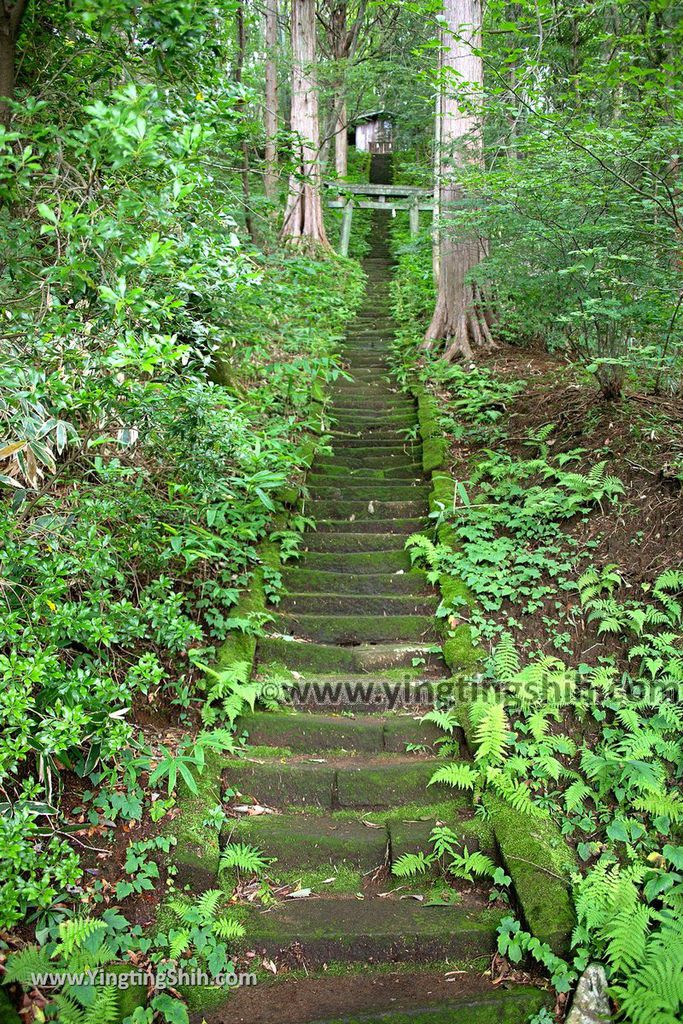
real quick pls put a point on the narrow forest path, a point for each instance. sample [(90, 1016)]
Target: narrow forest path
[(347, 772)]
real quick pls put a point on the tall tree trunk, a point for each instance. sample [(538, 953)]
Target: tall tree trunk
[(459, 314), (239, 70), (10, 23), (304, 214), (271, 114), (341, 140)]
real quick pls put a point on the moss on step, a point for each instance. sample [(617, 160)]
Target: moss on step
[(312, 581), (357, 561), (304, 842), (374, 929), (384, 785), (514, 1006), (304, 731), (326, 658), (281, 783), (355, 543), (540, 864), (350, 629), (196, 854)]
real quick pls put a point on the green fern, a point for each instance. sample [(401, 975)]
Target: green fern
[(411, 864), (21, 966), (506, 662), (491, 735), (458, 774), (245, 858)]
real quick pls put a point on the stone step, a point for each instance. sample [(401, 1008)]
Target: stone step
[(308, 581), (399, 690), (338, 604), (373, 930), (356, 629), (321, 508), (346, 782), (297, 655), (309, 732), (368, 417), (356, 562), (370, 403), (392, 465), (350, 543), (301, 842), (377, 446), (333, 471), (403, 527), (400, 491), (370, 435), (382, 996)]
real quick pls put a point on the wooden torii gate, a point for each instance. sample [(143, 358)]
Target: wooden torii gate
[(412, 198)]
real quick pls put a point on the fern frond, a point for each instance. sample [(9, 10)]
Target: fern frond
[(411, 864), (458, 774), (21, 966)]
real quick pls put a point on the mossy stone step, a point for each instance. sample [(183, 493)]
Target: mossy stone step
[(401, 691), (402, 527), (353, 543), (374, 417), (393, 466), (320, 508), (503, 1006), (404, 443), (309, 731), (368, 436), (412, 837), (328, 658), (303, 731), (301, 842), (357, 604), (342, 476), (360, 491), (282, 783), (356, 562), (356, 629), (350, 781), (373, 930), (389, 782), (308, 581)]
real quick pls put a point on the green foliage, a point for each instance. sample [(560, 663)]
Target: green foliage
[(244, 858)]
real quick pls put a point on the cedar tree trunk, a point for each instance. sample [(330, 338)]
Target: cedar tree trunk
[(459, 317), (303, 222)]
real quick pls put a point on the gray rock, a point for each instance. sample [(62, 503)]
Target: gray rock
[(590, 1004)]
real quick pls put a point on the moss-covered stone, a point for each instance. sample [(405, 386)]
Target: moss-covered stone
[(354, 543), (357, 561), (398, 528), (352, 629), (304, 731), (302, 842), (384, 785), (359, 930), (459, 652), (311, 581), (196, 854), (281, 783), (506, 1006), (327, 658), (540, 863)]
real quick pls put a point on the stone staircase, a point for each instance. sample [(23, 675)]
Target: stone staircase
[(347, 766)]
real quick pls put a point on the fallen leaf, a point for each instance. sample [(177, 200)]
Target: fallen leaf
[(298, 894)]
